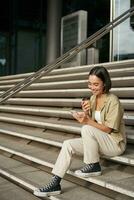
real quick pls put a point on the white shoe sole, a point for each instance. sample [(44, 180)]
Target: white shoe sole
[(46, 194), (87, 175)]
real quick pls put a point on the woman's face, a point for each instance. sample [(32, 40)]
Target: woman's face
[(96, 85)]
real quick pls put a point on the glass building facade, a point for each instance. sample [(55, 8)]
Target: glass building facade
[(122, 37), (23, 31)]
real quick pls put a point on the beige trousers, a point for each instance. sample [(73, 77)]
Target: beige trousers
[(92, 144)]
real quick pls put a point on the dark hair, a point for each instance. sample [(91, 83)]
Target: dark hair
[(102, 73)]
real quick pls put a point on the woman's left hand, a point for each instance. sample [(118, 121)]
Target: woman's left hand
[(81, 117)]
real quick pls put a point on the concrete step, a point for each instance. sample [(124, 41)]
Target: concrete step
[(80, 83), (61, 102), (53, 112), (130, 134), (43, 135), (69, 126), (73, 76), (46, 136), (48, 111), (36, 134), (110, 65), (58, 102), (114, 177), (56, 139), (125, 92), (116, 82), (84, 75), (129, 118), (63, 125), (14, 192), (38, 110), (29, 177), (86, 68)]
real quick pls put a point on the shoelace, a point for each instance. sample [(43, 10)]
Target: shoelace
[(48, 186), (87, 168)]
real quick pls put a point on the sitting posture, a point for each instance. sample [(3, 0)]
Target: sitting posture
[(102, 133)]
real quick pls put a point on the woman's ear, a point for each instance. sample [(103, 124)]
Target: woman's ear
[(104, 87)]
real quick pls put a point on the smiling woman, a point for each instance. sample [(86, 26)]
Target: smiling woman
[(102, 78), (96, 85), (99, 83), (102, 133)]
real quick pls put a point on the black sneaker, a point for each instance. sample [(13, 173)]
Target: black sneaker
[(48, 190), (88, 170)]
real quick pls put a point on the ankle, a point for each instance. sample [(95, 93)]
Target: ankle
[(96, 163), (56, 179)]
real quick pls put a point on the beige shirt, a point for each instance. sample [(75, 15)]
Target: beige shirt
[(111, 116)]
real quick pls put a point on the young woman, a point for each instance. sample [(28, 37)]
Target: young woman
[(102, 133)]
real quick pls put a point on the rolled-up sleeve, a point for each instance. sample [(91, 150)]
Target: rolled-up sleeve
[(113, 115)]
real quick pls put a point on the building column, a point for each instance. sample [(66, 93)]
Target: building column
[(54, 11)]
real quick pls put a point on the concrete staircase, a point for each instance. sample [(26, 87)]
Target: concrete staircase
[(34, 124)]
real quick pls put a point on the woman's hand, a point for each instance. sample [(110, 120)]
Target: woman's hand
[(85, 104), (81, 117)]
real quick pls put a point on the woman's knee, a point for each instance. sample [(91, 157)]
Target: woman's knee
[(70, 145), (87, 129), (67, 145)]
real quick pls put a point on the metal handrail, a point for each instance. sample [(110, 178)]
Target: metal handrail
[(68, 55)]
